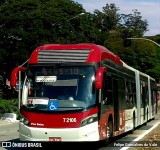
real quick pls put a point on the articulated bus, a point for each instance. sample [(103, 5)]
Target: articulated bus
[(81, 92)]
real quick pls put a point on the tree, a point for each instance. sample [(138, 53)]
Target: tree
[(109, 18), (135, 23), (26, 24), (106, 21)]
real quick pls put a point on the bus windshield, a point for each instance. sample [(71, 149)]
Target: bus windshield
[(60, 89)]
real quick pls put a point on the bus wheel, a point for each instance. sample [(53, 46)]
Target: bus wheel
[(146, 118), (132, 131), (109, 132)]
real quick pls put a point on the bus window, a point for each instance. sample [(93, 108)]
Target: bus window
[(121, 90), (133, 86), (128, 94)]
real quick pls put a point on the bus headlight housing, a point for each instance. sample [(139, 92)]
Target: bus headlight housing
[(24, 120), (89, 120)]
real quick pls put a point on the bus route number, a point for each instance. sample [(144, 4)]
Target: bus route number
[(69, 120)]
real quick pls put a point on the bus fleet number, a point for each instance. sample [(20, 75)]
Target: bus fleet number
[(69, 120)]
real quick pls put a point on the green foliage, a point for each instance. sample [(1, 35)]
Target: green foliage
[(155, 71), (109, 18), (135, 23), (27, 24), (147, 56), (9, 106)]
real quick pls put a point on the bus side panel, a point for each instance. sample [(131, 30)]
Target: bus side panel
[(103, 122)]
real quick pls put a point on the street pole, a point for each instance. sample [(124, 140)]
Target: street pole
[(55, 24), (144, 39), (76, 16)]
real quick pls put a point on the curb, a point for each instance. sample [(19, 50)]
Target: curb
[(12, 117)]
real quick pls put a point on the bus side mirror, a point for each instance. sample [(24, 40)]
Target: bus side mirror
[(99, 77), (14, 75)]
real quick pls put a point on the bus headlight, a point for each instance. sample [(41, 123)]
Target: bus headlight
[(24, 120), (89, 120)]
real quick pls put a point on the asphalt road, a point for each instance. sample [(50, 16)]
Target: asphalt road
[(8, 130), (9, 133)]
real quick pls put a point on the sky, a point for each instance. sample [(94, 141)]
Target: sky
[(149, 9)]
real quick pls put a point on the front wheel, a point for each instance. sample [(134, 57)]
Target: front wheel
[(109, 132)]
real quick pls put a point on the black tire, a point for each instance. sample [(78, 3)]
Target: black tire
[(132, 131), (109, 132), (147, 119)]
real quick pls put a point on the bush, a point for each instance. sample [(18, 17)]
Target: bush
[(9, 106)]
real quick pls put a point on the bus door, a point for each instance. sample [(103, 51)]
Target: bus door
[(143, 104), (116, 104)]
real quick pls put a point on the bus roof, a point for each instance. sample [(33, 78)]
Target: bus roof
[(82, 52), (137, 71)]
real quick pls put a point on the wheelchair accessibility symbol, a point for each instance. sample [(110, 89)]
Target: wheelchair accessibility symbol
[(52, 105)]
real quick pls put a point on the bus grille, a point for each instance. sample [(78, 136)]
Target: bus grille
[(49, 56)]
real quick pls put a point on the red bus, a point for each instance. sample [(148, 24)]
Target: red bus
[(81, 92)]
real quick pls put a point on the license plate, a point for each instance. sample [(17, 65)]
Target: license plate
[(55, 139)]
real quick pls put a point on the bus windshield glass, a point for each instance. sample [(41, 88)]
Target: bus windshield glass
[(59, 89)]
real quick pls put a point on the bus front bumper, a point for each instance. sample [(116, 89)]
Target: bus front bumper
[(86, 133)]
